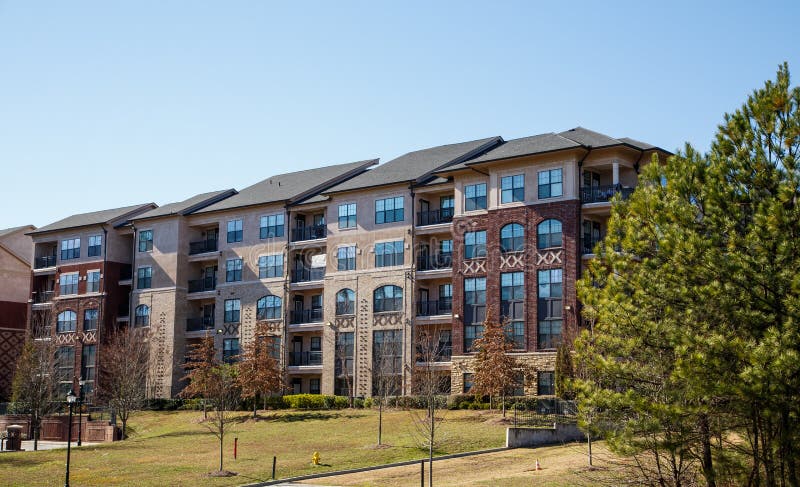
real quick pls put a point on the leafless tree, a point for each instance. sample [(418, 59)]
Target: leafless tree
[(222, 391), (387, 370), (343, 361)]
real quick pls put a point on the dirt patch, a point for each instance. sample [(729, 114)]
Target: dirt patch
[(222, 473)]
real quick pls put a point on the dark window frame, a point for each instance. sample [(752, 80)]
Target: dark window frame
[(475, 197), (269, 227), (515, 190)]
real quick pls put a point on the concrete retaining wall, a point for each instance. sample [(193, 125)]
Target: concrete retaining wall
[(527, 437)]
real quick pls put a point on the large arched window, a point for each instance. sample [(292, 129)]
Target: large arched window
[(387, 298), (548, 234), (269, 308), (67, 320), (512, 238), (142, 315), (345, 302)]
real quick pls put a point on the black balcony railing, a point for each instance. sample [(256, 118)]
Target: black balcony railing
[(443, 353), (433, 262), (444, 306), (200, 324), (600, 194), (305, 316), (200, 285), (125, 272), (123, 310), (588, 245), (308, 275), (309, 233), (305, 358), (44, 262), (434, 217), (41, 297), (202, 246)]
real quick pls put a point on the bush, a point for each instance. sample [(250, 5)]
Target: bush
[(467, 401), (368, 402), (163, 404), (315, 401), (194, 404)]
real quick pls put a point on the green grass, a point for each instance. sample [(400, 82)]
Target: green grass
[(174, 448)]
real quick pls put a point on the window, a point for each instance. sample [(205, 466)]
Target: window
[(387, 359), (548, 234), (475, 197), (93, 282), (90, 317), (515, 331), (313, 386), (233, 270), (271, 226), (230, 350), (144, 277), (142, 315), (346, 258), (235, 231), (512, 238), (387, 298), (469, 379), (345, 348), (70, 249), (389, 210), (471, 333), (474, 309), (67, 320), (446, 247), (270, 266), (512, 295), (65, 368), (68, 284), (95, 242), (347, 215), (389, 254), (447, 205), (550, 183), (512, 188), (269, 308), (550, 308), (232, 310), (345, 302), (475, 244), (145, 240), (88, 362), (546, 383), (274, 346)]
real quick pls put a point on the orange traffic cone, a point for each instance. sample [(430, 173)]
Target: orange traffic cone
[(538, 467)]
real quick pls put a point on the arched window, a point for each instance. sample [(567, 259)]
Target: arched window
[(142, 315), (548, 234), (387, 298), (345, 302), (67, 320), (512, 238), (269, 308)]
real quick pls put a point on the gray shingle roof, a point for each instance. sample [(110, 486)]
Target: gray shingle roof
[(588, 137), (535, 144), (9, 231), (291, 187), (639, 144), (94, 218), (417, 165), (187, 206)]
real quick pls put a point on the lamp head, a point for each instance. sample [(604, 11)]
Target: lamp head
[(71, 397)]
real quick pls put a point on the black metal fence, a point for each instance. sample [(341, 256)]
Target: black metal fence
[(544, 413)]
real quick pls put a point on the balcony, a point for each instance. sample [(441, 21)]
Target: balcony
[(444, 306), (297, 359), (203, 246), (44, 262), (434, 217), (434, 262), (43, 297), (603, 194), (298, 317), (443, 353), (125, 272), (200, 324), (123, 311), (202, 285), (308, 275), (314, 232), (588, 245)]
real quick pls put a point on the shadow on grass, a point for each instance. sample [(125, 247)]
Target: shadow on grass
[(22, 460)]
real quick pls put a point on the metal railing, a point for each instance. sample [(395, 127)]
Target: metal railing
[(544, 412), (313, 232), (305, 358), (200, 285), (41, 297), (442, 306), (297, 317), (588, 245), (435, 261), (434, 217), (308, 275), (600, 194), (203, 246), (44, 262), (200, 324)]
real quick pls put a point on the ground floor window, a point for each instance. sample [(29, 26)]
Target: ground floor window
[(546, 384)]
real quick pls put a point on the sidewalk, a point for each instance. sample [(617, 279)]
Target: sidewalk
[(27, 445)]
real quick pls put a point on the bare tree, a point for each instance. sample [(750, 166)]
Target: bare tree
[(201, 358), (34, 386), (260, 369), (430, 384), (387, 370), (496, 370), (123, 384), (222, 391), (343, 361)]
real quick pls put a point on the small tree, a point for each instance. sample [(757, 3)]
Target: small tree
[(34, 386), (496, 371), (222, 392), (259, 370), (123, 383), (386, 370), (200, 361), (565, 371), (343, 361)]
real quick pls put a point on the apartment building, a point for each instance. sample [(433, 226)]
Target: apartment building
[(15, 264), (80, 285), (346, 265)]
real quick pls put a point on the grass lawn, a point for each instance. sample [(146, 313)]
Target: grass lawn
[(174, 448)]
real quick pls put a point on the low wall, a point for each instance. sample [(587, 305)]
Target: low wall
[(56, 428), (526, 437)]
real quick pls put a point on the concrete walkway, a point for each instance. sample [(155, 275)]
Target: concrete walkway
[(27, 445)]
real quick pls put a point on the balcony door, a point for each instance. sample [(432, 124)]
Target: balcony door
[(591, 179)]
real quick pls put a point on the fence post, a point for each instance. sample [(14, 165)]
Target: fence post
[(274, 459), (515, 415), (422, 473)]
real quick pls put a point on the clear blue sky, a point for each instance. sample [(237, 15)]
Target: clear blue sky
[(105, 104)]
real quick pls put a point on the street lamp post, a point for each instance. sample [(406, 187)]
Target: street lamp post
[(71, 401), (81, 382)]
